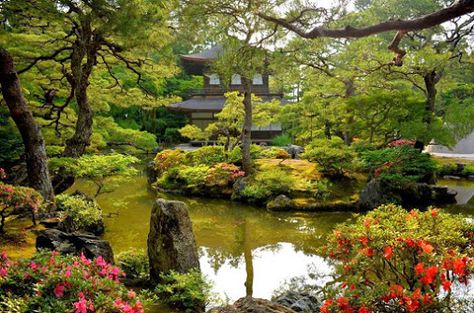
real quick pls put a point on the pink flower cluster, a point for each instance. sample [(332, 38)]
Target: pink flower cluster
[(84, 285)]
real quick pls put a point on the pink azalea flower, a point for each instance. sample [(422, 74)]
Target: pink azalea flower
[(100, 261), (59, 291), (33, 265), (3, 272), (67, 274)]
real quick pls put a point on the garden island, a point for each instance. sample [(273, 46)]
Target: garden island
[(230, 156)]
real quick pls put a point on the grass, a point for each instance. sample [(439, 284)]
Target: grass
[(446, 160)]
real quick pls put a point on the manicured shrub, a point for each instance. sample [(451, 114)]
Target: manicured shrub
[(274, 153), (134, 263), (169, 158), (399, 164), (200, 178), (192, 176), (266, 182), (208, 155), (468, 170), (187, 292), (333, 156), (80, 213), (392, 260), (281, 140), (17, 200), (54, 283), (223, 175)]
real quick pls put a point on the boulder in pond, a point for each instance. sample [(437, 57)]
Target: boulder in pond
[(171, 242), (76, 243), (303, 302), (253, 305), (379, 191), (280, 203)]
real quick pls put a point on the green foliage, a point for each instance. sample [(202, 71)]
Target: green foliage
[(193, 132), (409, 260), (118, 137), (134, 263), (84, 214), (187, 292), (399, 164), (192, 176), (62, 283), (333, 156), (207, 155), (268, 181), (274, 153), (200, 178), (11, 145), (281, 140), (105, 171)]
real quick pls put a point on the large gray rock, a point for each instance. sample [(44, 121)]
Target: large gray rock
[(253, 305), (75, 243), (303, 302), (280, 203), (171, 242), (409, 195)]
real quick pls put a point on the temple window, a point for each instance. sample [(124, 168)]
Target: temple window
[(214, 79), (236, 80), (258, 79)]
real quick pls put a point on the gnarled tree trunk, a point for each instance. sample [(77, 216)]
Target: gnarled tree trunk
[(35, 152)]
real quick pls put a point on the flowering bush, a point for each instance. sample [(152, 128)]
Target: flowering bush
[(401, 142), (223, 174), (168, 159), (17, 199), (53, 283), (392, 260)]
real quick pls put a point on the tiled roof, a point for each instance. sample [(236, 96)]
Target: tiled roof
[(206, 104), (209, 54)]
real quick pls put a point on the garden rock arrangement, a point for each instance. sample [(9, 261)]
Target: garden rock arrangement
[(74, 243), (409, 195), (299, 301), (171, 242), (253, 305)]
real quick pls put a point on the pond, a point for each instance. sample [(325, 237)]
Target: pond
[(244, 250)]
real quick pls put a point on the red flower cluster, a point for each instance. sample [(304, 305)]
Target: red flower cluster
[(420, 270)]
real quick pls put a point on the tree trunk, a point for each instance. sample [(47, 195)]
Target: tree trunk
[(77, 144), (85, 48), (247, 129), (350, 92), (35, 152), (430, 79)]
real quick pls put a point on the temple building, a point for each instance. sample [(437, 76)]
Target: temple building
[(205, 103)]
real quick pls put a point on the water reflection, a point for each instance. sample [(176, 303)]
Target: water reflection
[(244, 250)]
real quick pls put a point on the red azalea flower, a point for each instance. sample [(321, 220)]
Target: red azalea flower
[(388, 252), (459, 266), (446, 285)]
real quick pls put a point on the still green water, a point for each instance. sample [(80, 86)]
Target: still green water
[(243, 249)]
